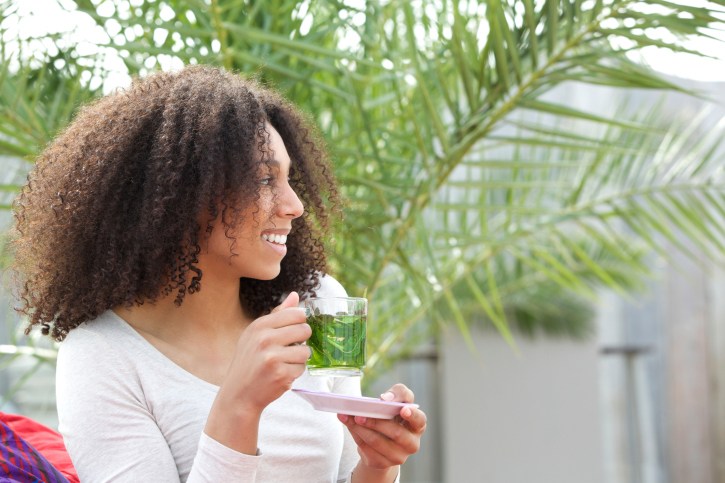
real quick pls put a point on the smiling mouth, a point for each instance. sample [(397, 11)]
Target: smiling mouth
[(276, 239)]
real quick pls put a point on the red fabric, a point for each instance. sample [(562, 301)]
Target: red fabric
[(49, 443)]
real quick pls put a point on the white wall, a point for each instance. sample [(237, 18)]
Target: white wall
[(531, 417)]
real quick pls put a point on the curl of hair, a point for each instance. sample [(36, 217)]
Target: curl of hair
[(110, 213)]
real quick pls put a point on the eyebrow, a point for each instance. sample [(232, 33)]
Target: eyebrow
[(275, 164)]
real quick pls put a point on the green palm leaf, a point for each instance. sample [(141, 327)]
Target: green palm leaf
[(473, 194)]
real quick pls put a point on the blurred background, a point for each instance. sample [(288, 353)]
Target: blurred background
[(534, 205)]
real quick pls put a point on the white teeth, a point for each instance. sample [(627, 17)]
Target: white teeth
[(279, 239)]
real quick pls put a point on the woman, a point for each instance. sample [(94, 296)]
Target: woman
[(165, 238)]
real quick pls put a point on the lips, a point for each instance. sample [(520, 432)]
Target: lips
[(276, 240)]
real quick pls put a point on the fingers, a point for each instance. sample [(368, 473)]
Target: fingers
[(400, 435), (290, 335), (292, 300), (296, 354), (280, 333), (371, 456), (383, 443), (379, 450), (399, 393), (286, 313), (282, 318), (414, 419)]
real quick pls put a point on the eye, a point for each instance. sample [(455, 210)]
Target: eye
[(266, 181)]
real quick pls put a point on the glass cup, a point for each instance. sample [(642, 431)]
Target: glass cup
[(338, 335)]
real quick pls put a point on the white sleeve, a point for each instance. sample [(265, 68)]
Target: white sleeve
[(109, 430), (216, 462)]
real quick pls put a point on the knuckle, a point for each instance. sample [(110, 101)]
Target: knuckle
[(264, 341), (369, 438), (279, 375), (397, 433), (413, 446), (269, 360)]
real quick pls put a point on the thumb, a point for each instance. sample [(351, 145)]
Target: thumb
[(292, 300)]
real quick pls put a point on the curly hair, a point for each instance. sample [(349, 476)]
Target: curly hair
[(110, 213)]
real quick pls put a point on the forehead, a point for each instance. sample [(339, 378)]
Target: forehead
[(277, 157)]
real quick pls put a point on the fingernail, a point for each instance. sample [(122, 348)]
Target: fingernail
[(342, 417), (387, 396), (406, 412), (360, 419)]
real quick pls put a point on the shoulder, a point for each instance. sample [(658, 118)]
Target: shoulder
[(96, 345), (94, 335), (98, 363), (330, 287)]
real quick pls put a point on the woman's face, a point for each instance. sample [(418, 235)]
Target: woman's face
[(255, 248)]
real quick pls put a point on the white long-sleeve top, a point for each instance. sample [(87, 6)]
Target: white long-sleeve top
[(127, 413)]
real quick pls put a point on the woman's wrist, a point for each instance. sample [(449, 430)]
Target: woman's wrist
[(233, 425), (366, 474)]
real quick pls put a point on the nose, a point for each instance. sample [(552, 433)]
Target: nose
[(289, 205)]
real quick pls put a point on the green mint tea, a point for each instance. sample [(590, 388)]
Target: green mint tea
[(338, 342)]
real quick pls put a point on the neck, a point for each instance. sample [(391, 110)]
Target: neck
[(200, 335), (213, 309)]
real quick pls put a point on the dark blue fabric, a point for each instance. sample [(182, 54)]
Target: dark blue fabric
[(22, 463)]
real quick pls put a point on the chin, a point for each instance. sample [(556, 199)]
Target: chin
[(268, 274)]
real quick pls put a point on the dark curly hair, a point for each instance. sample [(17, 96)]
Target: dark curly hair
[(110, 213)]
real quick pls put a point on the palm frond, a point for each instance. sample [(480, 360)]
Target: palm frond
[(473, 191)]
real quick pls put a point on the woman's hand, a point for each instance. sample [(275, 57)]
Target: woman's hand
[(267, 360), (269, 356), (384, 444)]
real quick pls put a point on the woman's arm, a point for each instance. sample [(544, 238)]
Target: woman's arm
[(267, 361), (109, 426), (108, 430)]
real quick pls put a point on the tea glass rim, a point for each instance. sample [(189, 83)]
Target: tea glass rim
[(356, 300)]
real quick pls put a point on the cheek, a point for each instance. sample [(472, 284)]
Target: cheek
[(219, 243), (266, 206), (248, 231)]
